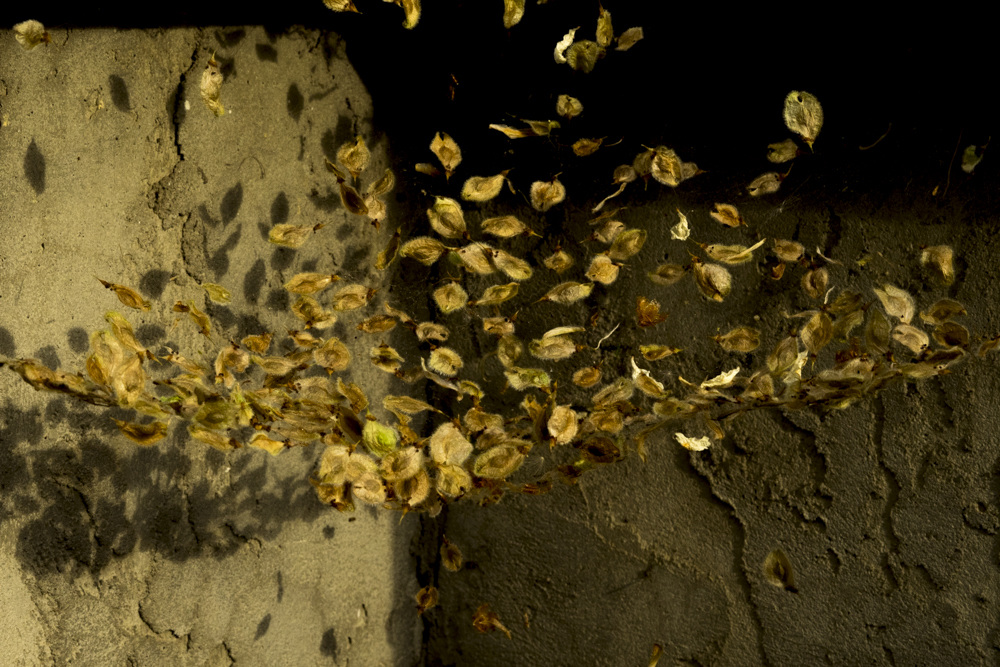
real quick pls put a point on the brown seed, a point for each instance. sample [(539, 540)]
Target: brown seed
[(667, 274), (803, 115), (568, 107), (740, 339), (424, 249), (778, 571), (127, 296), (355, 156), (814, 282), (388, 255), (446, 218), (451, 555), (211, 87), (546, 194), (629, 38), (483, 188), (447, 152), (647, 312), (728, 215), (558, 261), (513, 12), (427, 598)]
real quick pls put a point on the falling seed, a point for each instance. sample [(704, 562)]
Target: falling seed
[(211, 87), (377, 324), (782, 151), (817, 332), (568, 107), (355, 156), (728, 215), (778, 571), (509, 350), (447, 152), (388, 255), (498, 462), (877, 332), (521, 379), (546, 194), (483, 188), (584, 147), (513, 12), (681, 231), (445, 361), (431, 331), (910, 337), (583, 55), (731, 254), (971, 156), (942, 311), (814, 282), (307, 309), (605, 33), (563, 424), (803, 115), (217, 293), (291, 236), (450, 297), (765, 184), (629, 38), (608, 231), (951, 334), (657, 352), (269, 445), (411, 8), (142, 434), (446, 218), (514, 267), (30, 34), (257, 344), (552, 348), (563, 45), (385, 358), (714, 281), (587, 377), (341, 5), (448, 446)]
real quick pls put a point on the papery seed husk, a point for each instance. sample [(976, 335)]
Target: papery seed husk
[(385, 358), (351, 297), (681, 231), (817, 332), (942, 310), (732, 254), (513, 132), (521, 379), (369, 488), (782, 151), (355, 156), (217, 293), (602, 270), (941, 259), (765, 184), (951, 334), (212, 438), (341, 5), (513, 12), (778, 570), (740, 339), (627, 244), (714, 281), (447, 151), (401, 464), (333, 355), (815, 281), (568, 292), (269, 445), (694, 444), (498, 326), (477, 420), (388, 255), (584, 146), (143, 434), (483, 188), (424, 249), (431, 331), (728, 215), (909, 336), (657, 352), (788, 251), (30, 34), (495, 295), (667, 274), (448, 446), (546, 194), (558, 261), (971, 156), (605, 33), (587, 377), (803, 115), (563, 424), (505, 226), (509, 350), (307, 309), (377, 324), (619, 390), (413, 490), (897, 302), (514, 267), (877, 332), (123, 331), (445, 361), (450, 297), (452, 481), (647, 312), (127, 296), (498, 462), (783, 355), (628, 39), (553, 349), (309, 283), (583, 55), (665, 166), (608, 231), (446, 218), (476, 257), (211, 87), (568, 107), (290, 236), (844, 324)]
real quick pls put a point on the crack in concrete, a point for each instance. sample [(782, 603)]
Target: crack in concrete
[(890, 559)]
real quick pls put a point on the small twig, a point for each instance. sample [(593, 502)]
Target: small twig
[(607, 336), (873, 145), (947, 182)]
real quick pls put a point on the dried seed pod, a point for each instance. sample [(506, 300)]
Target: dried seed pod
[(123, 331), (546, 194), (341, 5), (476, 257), (897, 303), (694, 444), (494, 296), (942, 311), (355, 156), (558, 261), (385, 358), (817, 332), (452, 481), (352, 297), (629, 38), (568, 107), (731, 254), (369, 488), (426, 597), (845, 324), (657, 352), (424, 249), (447, 218), (627, 244), (447, 445), (728, 215), (765, 184), (447, 151), (778, 571), (431, 331), (587, 377), (951, 334), (513, 132), (681, 231), (217, 293), (605, 33), (714, 281), (142, 434), (309, 283), (505, 227), (450, 297), (509, 350), (568, 292), (647, 312), (445, 361), (972, 156), (269, 445), (521, 379), (667, 274), (513, 12), (514, 267), (212, 438), (379, 439), (602, 270), (941, 259), (30, 34), (803, 115), (722, 380), (740, 339), (552, 348), (407, 405), (782, 151), (307, 309), (645, 382), (877, 332), (498, 462), (911, 337), (666, 167), (814, 282), (127, 295), (332, 355), (608, 231), (498, 326), (583, 55), (783, 356), (427, 169), (354, 394), (619, 390), (788, 251), (483, 188), (563, 424), (477, 420), (411, 9), (211, 87), (563, 45), (291, 236), (584, 146), (377, 324)]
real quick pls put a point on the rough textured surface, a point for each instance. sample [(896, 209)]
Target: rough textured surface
[(177, 554)]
